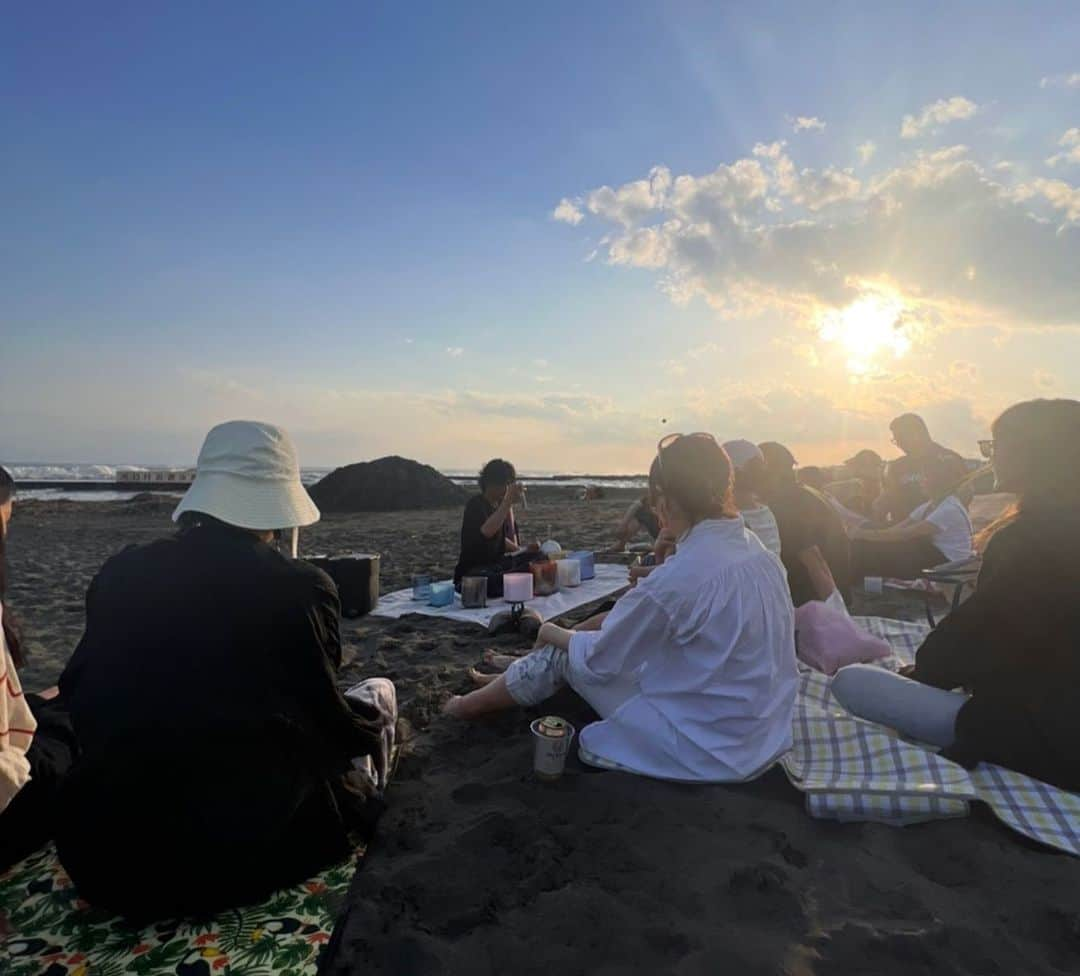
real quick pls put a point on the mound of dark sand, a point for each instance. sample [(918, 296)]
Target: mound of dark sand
[(389, 484)]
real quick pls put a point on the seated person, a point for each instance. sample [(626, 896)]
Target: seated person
[(749, 464), (488, 529), (639, 518), (693, 672), (936, 532), (865, 470), (813, 542), (1010, 647), (218, 753), (37, 744), (902, 487)]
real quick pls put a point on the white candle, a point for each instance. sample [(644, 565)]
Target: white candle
[(569, 572), (517, 587)]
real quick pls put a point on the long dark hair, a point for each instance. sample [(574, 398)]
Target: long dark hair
[(11, 627), (696, 474), (1043, 438)]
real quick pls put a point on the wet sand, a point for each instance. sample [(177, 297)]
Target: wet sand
[(478, 868)]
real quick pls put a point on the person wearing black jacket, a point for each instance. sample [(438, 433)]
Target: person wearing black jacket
[(216, 747), (1011, 648)]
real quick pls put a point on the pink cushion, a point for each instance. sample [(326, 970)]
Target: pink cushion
[(828, 640)]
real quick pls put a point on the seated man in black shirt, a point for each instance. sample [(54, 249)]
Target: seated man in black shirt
[(488, 529), (217, 752), (813, 544)]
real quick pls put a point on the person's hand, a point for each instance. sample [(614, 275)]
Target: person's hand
[(639, 573), (533, 547), (665, 545)]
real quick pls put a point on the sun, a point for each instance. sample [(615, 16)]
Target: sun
[(869, 330)]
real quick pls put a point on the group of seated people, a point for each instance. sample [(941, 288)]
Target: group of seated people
[(895, 519), (693, 673), (199, 753)]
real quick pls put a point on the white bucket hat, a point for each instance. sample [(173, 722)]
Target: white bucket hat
[(248, 475), (742, 452)]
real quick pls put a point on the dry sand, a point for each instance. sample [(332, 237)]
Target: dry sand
[(480, 869)]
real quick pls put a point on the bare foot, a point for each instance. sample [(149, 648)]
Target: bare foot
[(479, 679), (494, 659)]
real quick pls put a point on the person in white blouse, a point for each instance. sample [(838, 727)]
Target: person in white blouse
[(693, 673), (749, 464)]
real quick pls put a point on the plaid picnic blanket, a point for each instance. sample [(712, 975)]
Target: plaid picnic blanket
[(851, 769)]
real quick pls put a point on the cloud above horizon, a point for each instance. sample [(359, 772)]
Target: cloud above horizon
[(886, 267), (1068, 80), (954, 236), (802, 123), (937, 114)]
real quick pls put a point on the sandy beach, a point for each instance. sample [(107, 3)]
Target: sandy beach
[(478, 868)]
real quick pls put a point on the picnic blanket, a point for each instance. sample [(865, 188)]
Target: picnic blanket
[(851, 769), (51, 931), (609, 581), (54, 932)]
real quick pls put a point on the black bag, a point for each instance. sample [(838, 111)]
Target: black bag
[(357, 579)]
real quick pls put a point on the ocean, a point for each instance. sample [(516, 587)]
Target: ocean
[(106, 473)]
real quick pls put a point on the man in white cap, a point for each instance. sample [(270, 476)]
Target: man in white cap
[(749, 466), (217, 748)]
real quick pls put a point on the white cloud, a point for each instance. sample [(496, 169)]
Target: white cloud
[(455, 352), (937, 114), (1070, 142), (1059, 194), (568, 212), (866, 151), (632, 201), (1068, 80), (802, 123), (915, 230)]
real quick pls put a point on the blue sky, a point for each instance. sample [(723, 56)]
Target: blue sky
[(339, 217)]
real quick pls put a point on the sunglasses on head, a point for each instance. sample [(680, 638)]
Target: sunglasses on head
[(666, 442)]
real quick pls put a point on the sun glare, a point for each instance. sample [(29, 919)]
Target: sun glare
[(869, 330)]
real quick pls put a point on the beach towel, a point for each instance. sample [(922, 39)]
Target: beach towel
[(51, 930), (851, 769), (45, 928), (609, 580)]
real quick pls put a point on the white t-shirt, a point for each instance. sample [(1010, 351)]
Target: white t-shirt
[(953, 536), (761, 521)]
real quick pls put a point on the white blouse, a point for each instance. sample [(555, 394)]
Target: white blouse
[(761, 521), (706, 648), (17, 727)]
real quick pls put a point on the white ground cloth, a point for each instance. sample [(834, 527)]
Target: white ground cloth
[(610, 579)]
